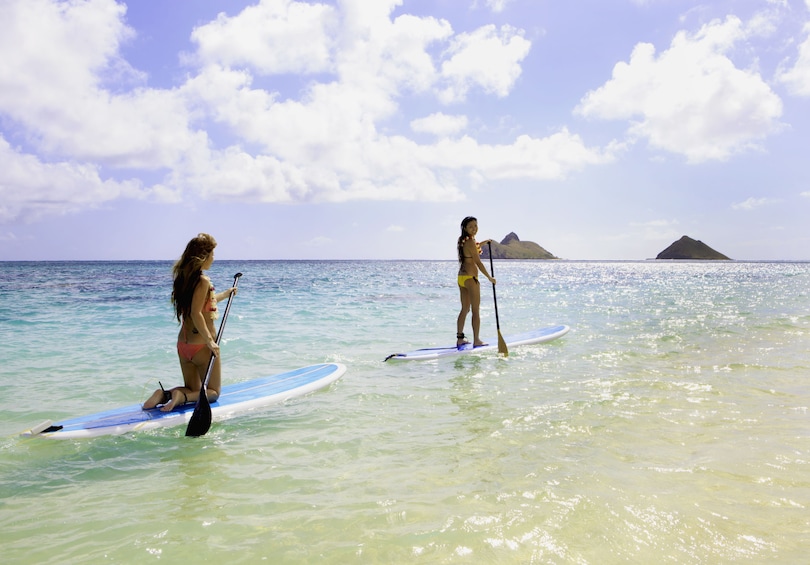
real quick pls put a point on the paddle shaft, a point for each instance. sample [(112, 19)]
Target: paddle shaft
[(502, 348), (494, 298)]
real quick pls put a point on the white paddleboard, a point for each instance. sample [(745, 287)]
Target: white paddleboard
[(540, 335), (234, 399)]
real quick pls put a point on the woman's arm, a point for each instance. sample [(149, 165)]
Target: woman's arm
[(226, 293), (479, 263)]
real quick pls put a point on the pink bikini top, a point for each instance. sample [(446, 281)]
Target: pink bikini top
[(212, 304), (210, 307)]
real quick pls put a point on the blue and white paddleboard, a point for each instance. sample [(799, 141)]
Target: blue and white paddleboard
[(234, 399), (540, 335)]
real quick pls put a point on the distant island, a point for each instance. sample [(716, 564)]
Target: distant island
[(688, 248), (512, 248)]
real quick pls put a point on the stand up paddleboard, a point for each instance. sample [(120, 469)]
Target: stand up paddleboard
[(235, 399), (540, 335)]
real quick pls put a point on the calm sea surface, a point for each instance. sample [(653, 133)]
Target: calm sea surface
[(671, 425)]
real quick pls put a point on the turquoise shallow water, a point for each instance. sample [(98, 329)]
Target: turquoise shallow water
[(669, 426)]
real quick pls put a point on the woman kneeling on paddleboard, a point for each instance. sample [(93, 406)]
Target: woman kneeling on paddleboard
[(469, 252), (195, 305)]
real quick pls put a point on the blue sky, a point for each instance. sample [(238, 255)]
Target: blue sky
[(367, 129)]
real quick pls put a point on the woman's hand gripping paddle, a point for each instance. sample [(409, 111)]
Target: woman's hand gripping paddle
[(200, 421), (501, 343)]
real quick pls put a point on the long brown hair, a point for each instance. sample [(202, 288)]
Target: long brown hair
[(187, 272), (463, 237)]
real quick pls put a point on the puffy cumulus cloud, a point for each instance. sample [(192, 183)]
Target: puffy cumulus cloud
[(271, 37), (356, 44), (229, 131), (330, 135), (235, 175), (61, 77), (552, 157), (691, 99), (797, 77), (32, 188), (488, 57), (387, 169), (439, 124), (68, 45)]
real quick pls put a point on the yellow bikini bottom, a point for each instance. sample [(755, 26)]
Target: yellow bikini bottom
[(464, 278)]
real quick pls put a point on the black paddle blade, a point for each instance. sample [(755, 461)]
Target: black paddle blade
[(200, 421)]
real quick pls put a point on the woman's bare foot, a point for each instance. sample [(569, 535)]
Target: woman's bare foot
[(154, 400), (178, 399)]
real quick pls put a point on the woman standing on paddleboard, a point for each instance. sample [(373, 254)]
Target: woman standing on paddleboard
[(469, 258), (195, 305)]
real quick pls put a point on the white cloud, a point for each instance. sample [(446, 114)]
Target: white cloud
[(691, 99), (271, 37), (225, 134), (486, 58), (797, 78), (552, 157), (330, 138), (439, 124), (32, 188), (753, 203), (56, 60), (497, 6)]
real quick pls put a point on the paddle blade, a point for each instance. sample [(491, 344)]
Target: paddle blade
[(200, 421), (502, 349)]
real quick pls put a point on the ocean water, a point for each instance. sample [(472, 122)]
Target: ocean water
[(671, 425)]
